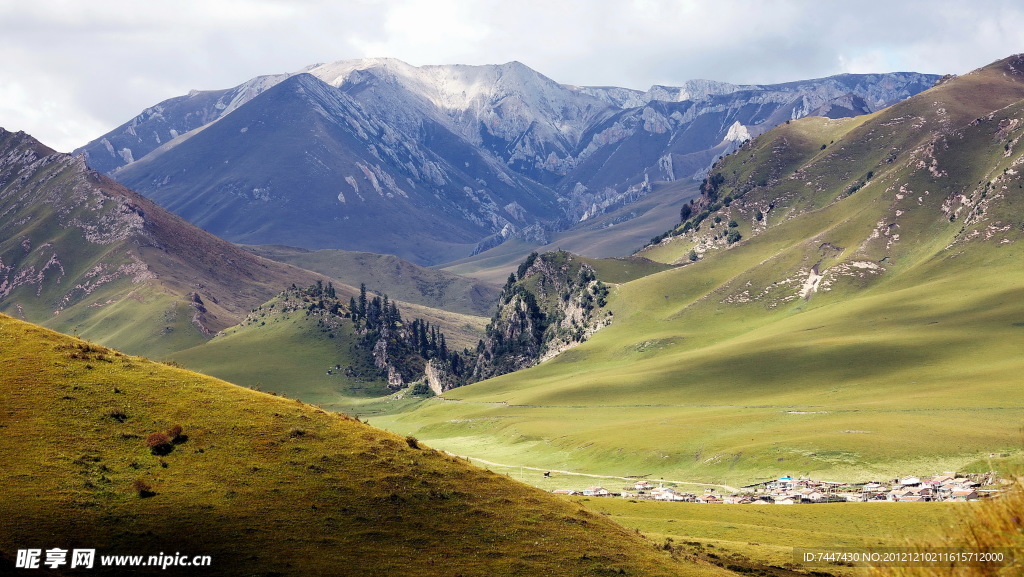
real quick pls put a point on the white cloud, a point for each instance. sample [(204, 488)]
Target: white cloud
[(427, 32), (22, 108)]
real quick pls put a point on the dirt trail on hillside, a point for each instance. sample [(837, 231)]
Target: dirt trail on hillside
[(632, 479)]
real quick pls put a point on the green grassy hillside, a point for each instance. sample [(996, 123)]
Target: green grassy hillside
[(391, 275), (261, 484), (290, 354), (317, 354), (83, 254), (615, 234), (868, 322)]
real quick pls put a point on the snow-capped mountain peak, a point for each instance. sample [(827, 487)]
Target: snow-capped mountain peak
[(491, 151)]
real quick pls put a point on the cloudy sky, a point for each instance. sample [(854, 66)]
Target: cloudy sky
[(72, 70)]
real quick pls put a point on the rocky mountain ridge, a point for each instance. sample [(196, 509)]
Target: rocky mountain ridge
[(945, 164), (82, 253), (488, 152)]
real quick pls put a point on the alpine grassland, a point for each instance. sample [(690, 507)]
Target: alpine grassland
[(847, 303), (755, 538), (291, 355), (123, 455), (301, 348)]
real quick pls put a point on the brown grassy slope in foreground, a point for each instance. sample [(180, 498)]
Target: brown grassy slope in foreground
[(264, 485)]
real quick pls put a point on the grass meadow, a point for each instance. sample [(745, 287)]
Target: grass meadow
[(262, 484)]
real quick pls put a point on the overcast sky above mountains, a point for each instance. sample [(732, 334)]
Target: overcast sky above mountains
[(73, 70)]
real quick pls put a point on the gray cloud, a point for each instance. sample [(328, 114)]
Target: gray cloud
[(73, 70)]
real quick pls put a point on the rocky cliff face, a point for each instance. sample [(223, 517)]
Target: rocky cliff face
[(491, 152), (554, 302)]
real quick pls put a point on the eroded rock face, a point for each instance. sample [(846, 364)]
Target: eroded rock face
[(553, 303), (51, 204)]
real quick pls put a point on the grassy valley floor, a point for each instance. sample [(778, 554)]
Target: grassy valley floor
[(918, 375), (757, 537)]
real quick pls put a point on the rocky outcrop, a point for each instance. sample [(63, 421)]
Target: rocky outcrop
[(554, 302), (439, 377), (34, 181)]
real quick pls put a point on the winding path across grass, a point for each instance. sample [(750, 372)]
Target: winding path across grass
[(493, 464)]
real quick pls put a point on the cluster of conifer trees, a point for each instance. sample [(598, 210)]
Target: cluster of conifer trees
[(410, 344)]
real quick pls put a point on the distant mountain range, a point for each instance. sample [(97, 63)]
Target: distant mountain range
[(435, 163)]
